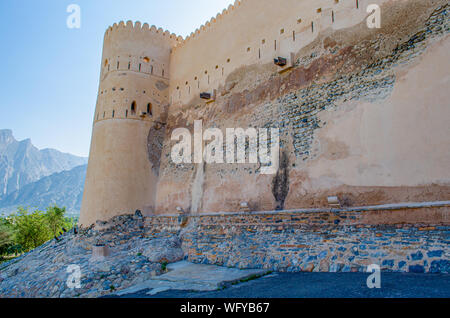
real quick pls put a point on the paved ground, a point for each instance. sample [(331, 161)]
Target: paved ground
[(329, 285)]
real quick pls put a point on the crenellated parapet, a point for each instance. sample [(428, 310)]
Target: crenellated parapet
[(254, 32), (144, 29), (137, 47)]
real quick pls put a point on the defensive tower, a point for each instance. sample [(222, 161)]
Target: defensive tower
[(132, 98)]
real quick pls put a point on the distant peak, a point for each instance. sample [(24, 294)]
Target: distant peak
[(6, 136)]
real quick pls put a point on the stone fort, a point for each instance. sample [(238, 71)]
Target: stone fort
[(364, 173)]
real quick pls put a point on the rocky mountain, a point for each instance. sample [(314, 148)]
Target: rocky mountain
[(21, 163), (62, 188)]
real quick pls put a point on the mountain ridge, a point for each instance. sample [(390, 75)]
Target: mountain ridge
[(22, 163)]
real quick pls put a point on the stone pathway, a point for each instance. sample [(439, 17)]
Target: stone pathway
[(194, 277)]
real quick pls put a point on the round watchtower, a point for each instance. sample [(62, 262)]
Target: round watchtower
[(132, 98)]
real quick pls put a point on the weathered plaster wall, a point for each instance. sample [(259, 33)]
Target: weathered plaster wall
[(362, 115)]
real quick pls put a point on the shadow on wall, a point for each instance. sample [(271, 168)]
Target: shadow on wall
[(280, 183)]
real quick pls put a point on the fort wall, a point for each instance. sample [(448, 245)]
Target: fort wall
[(361, 111), (253, 32), (360, 116)]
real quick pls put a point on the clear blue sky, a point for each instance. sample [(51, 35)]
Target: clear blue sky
[(49, 77)]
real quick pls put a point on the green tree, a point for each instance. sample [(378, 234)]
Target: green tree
[(55, 219), (6, 236), (30, 229)]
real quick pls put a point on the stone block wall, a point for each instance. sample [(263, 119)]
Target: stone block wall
[(348, 240)]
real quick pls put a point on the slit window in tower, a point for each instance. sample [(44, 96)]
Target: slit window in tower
[(133, 107), (357, 4), (332, 16), (126, 113), (129, 65), (293, 36), (113, 112), (139, 67), (312, 27), (117, 65), (149, 109), (151, 69), (163, 73)]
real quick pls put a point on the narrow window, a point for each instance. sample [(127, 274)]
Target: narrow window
[(117, 65), (312, 27), (293, 36), (108, 67), (133, 107), (208, 79), (275, 45), (113, 113), (357, 4), (151, 69), (163, 73), (332, 16), (104, 114), (149, 109), (259, 55), (139, 67), (129, 65)]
